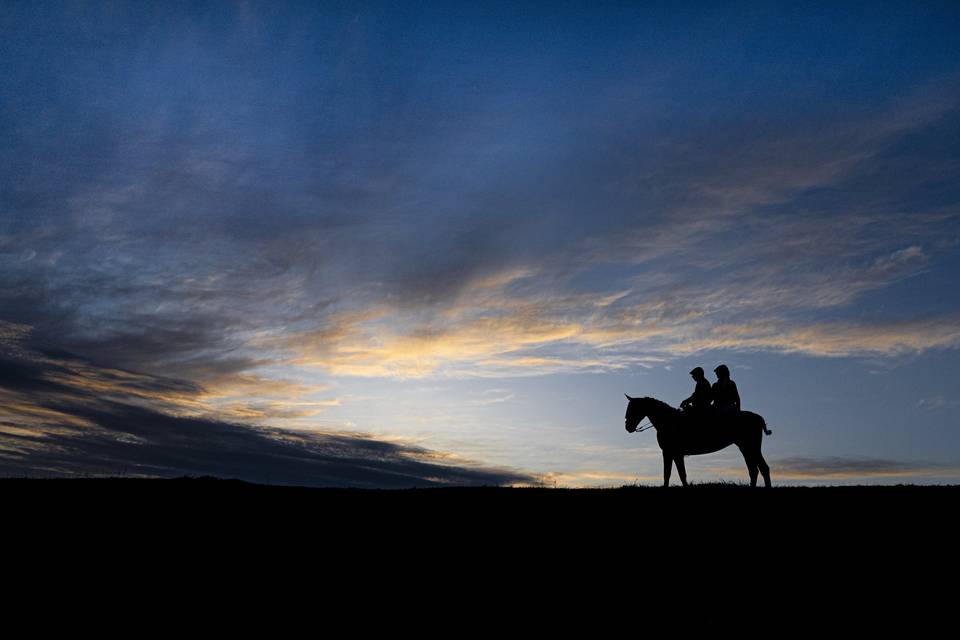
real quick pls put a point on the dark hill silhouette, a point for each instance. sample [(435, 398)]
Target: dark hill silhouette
[(707, 550)]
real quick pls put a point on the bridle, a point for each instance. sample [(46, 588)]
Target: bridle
[(641, 428)]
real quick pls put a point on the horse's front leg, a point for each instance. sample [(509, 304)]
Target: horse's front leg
[(667, 467), (681, 470)]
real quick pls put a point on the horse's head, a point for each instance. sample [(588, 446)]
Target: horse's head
[(635, 414)]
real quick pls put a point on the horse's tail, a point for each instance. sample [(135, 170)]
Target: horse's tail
[(763, 426)]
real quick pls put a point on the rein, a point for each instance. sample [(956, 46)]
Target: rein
[(643, 428)]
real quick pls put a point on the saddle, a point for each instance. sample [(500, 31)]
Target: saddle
[(711, 417)]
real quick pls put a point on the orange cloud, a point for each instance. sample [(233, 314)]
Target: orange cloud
[(574, 333)]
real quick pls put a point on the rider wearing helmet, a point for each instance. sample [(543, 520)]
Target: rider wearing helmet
[(700, 400), (726, 398)]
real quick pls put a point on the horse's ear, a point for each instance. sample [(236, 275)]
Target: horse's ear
[(628, 397)]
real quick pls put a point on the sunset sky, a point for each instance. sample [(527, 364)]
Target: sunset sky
[(394, 244)]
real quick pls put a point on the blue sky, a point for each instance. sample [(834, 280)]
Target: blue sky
[(448, 237)]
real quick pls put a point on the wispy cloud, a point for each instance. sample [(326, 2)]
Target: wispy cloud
[(853, 468), (213, 229), (724, 252), (835, 339), (572, 335), (938, 402)]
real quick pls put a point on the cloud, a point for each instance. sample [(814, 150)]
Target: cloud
[(576, 334), (835, 339), (938, 402), (116, 439), (852, 468), (493, 396), (204, 238), (61, 419), (206, 227)]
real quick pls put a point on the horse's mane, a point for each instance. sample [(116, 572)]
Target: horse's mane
[(660, 404)]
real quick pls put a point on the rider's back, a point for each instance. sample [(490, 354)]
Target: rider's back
[(725, 395)]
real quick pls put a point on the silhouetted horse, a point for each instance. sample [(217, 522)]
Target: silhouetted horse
[(681, 434)]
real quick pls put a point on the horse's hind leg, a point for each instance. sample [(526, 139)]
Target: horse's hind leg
[(681, 470), (764, 469), (751, 466), (667, 467)]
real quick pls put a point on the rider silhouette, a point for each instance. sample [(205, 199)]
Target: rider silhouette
[(726, 398), (700, 400)]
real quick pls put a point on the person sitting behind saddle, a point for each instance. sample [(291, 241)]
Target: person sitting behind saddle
[(726, 398), (700, 400)]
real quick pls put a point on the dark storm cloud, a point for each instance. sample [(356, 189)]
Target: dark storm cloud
[(137, 441), (61, 422)]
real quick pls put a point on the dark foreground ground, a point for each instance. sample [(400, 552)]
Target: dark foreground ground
[(212, 499), (710, 553), (711, 513)]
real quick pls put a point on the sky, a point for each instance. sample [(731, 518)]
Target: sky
[(417, 244)]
